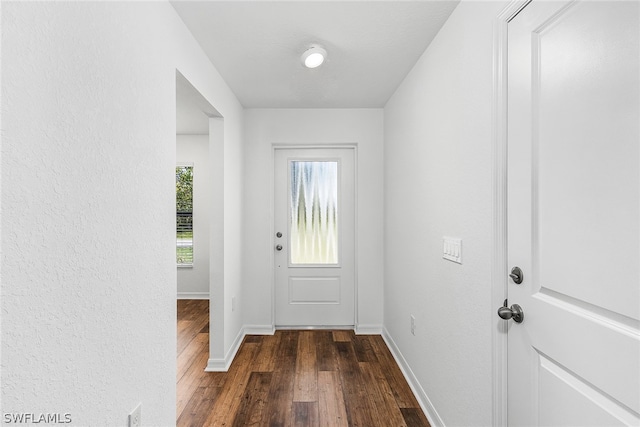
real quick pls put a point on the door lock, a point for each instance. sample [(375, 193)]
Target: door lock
[(516, 275), (278, 247), (514, 312)]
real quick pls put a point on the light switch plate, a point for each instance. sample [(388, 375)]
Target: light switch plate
[(135, 417), (452, 249)]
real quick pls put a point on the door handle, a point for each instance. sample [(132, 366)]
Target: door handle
[(278, 247), (514, 312)]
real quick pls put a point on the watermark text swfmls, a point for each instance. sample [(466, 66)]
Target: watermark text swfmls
[(33, 418)]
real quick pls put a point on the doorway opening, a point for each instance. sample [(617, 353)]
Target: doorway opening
[(199, 228)]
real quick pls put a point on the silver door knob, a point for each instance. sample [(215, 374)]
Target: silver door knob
[(278, 247), (514, 312)]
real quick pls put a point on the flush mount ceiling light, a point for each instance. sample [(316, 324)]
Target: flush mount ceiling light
[(314, 57)]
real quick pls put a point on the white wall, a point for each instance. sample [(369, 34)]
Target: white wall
[(88, 158), (438, 165), (193, 282), (264, 127)]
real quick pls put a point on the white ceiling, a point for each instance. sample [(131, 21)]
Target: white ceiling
[(256, 47)]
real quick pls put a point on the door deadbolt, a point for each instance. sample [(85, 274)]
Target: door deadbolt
[(278, 234), (278, 247), (516, 275)]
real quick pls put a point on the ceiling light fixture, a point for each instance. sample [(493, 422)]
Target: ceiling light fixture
[(314, 57)]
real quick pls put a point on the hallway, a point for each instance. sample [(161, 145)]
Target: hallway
[(464, 131)]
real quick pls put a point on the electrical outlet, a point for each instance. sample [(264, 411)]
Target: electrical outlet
[(413, 324), (135, 417)]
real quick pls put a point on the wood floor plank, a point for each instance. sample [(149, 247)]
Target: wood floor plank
[(189, 411), (342, 336), (326, 351), (254, 400), (266, 357), (190, 381), (322, 378), (196, 410), (281, 391), (414, 417), (192, 321), (305, 386), (380, 396), (356, 404), (197, 346), (305, 414), (364, 351), (278, 414), (204, 407), (182, 326), (226, 406), (331, 407), (403, 394)]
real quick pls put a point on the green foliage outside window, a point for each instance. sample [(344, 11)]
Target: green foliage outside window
[(184, 215)]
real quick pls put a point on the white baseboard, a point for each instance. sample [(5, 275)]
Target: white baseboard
[(217, 365), (222, 365), (368, 329), (259, 330), (193, 295), (416, 387)]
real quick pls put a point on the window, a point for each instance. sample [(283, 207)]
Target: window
[(314, 212), (184, 215)]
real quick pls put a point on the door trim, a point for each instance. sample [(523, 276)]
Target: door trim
[(289, 146), (499, 266)]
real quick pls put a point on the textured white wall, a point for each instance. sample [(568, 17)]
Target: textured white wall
[(88, 153), (193, 282), (438, 163), (264, 127)]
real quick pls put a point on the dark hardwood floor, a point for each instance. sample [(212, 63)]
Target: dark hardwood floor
[(293, 378)]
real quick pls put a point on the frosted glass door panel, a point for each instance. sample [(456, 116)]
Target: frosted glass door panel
[(313, 211)]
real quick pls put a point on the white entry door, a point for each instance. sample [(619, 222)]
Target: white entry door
[(573, 214), (314, 237)]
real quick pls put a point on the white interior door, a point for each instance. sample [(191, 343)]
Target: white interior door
[(314, 237), (573, 213)]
